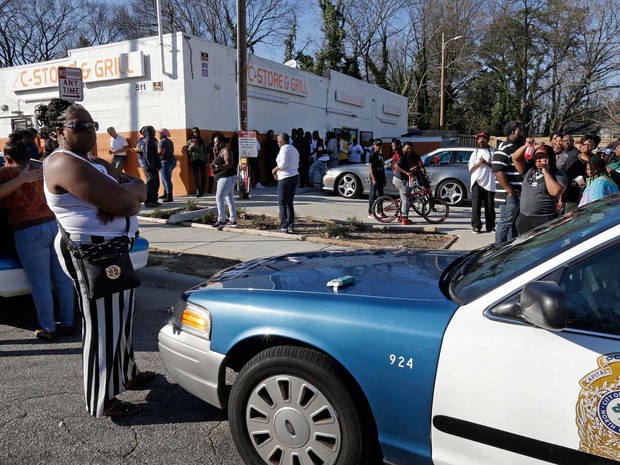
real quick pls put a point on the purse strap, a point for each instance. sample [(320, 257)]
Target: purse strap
[(71, 245)]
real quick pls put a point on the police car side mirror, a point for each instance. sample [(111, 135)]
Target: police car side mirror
[(543, 304)]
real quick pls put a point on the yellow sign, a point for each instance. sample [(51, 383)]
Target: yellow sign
[(598, 409)]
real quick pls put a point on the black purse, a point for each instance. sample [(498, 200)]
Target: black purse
[(105, 267)]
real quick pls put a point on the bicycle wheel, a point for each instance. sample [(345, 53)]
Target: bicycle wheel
[(435, 210), (420, 205), (386, 209)]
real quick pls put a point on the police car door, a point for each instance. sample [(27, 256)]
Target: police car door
[(508, 392)]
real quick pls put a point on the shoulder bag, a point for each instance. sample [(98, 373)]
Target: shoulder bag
[(106, 267)]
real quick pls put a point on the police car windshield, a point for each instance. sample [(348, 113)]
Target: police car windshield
[(486, 269)]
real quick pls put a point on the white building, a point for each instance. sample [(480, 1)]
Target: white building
[(187, 82)]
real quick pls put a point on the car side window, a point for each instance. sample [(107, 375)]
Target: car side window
[(444, 157), (461, 157), (592, 288)]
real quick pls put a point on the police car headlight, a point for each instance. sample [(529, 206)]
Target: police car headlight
[(192, 318)]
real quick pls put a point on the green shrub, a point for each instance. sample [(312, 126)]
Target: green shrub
[(336, 231), (191, 205), (242, 213), (207, 218), (263, 222), (355, 225), (161, 213)]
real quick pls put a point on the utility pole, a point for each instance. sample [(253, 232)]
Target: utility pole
[(443, 79), (242, 68)]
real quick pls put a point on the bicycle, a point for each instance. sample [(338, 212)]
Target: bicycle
[(387, 208)]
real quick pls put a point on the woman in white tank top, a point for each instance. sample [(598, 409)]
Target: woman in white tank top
[(92, 199)]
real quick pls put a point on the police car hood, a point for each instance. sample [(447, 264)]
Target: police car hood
[(380, 273)]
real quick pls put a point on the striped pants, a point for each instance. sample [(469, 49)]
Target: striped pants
[(107, 338)]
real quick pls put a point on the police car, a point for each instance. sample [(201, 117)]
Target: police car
[(505, 355)]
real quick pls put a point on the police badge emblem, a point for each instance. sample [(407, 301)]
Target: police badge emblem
[(598, 409)]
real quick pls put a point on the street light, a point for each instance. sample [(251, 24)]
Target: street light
[(443, 77)]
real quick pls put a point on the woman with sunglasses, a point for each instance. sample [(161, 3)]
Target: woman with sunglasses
[(94, 202), (543, 184)]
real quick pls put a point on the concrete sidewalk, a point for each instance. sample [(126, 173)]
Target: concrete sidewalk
[(240, 245)]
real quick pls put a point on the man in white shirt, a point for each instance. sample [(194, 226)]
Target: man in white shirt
[(355, 152), (118, 148), (287, 174), (482, 185)]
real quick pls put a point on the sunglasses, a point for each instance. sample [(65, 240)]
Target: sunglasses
[(82, 126)]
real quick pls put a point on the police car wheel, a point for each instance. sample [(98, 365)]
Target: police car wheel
[(291, 401)]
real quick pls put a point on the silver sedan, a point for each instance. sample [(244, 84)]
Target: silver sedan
[(446, 168)]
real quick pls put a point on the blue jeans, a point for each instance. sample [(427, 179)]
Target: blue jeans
[(376, 191), (317, 167), (35, 249), (286, 195), (405, 191), (166, 174), (225, 194), (506, 229)]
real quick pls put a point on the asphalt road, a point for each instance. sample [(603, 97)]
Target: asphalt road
[(43, 419)]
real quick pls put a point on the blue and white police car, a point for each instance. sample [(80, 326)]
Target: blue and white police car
[(505, 355)]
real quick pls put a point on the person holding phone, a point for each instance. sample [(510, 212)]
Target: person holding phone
[(543, 184)]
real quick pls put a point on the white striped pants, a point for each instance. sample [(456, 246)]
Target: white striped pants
[(107, 338)]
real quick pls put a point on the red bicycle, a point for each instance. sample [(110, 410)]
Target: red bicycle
[(387, 208)]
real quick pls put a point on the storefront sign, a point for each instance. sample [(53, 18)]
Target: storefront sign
[(247, 144), (44, 75), (281, 81), (389, 110), (205, 69), (351, 99)]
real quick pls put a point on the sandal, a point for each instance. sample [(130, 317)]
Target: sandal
[(118, 408), (141, 378)]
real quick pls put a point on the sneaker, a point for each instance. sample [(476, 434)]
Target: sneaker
[(382, 215), (406, 221), (476, 230), (370, 216), (152, 204), (259, 186), (45, 335), (65, 330), (219, 224), (231, 224), (284, 230), (290, 231)]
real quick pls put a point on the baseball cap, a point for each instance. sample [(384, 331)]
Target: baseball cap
[(483, 134), (377, 142), (165, 132)]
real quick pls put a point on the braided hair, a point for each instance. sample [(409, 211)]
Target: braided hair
[(54, 114)]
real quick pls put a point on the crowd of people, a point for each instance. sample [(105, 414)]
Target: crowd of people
[(535, 182)]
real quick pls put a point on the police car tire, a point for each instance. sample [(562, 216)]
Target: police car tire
[(356, 447)]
